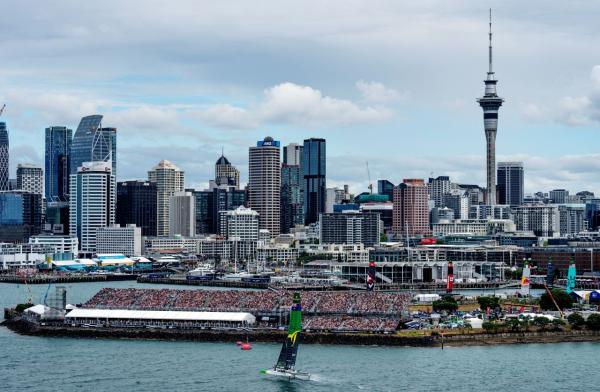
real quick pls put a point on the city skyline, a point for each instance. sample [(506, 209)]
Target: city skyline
[(205, 106)]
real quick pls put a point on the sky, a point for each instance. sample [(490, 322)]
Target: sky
[(393, 83)]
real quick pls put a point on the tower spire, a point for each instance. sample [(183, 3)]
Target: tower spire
[(490, 72)]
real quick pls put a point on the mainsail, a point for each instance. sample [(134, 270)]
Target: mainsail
[(289, 350), (525, 280), (571, 275), (371, 276), (450, 283)]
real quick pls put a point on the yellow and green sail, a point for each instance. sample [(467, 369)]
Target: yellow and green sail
[(289, 351)]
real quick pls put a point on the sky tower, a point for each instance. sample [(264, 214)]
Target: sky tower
[(490, 103)]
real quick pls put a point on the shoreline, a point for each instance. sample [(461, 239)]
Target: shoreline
[(24, 327)]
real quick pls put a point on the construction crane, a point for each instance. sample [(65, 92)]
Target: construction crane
[(369, 176), (2, 109)]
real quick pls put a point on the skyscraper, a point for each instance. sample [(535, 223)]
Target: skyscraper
[(265, 183), (182, 214), (30, 178), (411, 212), (136, 204), (20, 215), (313, 179), (292, 212), (92, 143), (490, 103), (3, 157), (437, 188), (226, 173), (385, 187), (169, 179), (91, 203), (58, 158), (510, 183)]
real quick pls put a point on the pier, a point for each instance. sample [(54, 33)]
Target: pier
[(74, 278)]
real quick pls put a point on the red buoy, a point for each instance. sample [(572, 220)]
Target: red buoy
[(246, 346)]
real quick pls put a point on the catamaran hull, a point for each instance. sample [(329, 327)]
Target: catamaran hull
[(289, 374)]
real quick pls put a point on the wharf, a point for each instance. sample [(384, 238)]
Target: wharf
[(211, 283), (71, 278), (472, 338), (431, 287)]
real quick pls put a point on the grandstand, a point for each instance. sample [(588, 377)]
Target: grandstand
[(335, 311)]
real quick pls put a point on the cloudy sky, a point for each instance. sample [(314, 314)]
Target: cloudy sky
[(393, 83)]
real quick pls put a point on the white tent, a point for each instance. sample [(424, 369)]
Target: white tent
[(124, 314)]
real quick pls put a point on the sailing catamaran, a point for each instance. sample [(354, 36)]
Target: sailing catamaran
[(285, 366)]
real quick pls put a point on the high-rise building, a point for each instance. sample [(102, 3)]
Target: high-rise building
[(30, 178), (292, 212), (490, 103), (558, 196), (240, 224), (20, 215), (292, 154), (4, 186), (136, 204), (458, 201), (385, 187), (93, 143), (57, 217), (57, 163), (571, 219), (226, 173), (335, 196), (510, 183), (210, 203), (313, 179), (437, 188), (411, 211), (182, 214), (168, 179), (91, 202), (125, 240), (265, 183), (543, 220), (350, 228)]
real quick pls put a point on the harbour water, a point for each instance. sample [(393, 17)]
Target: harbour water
[(49, 364)]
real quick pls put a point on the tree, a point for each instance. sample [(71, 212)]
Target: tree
[(514, 324), (558, 324), (447, 303), (576, 320), (593, 322), (490, 327), (563, 300), (20, 308), (541, 322), (488, 302)]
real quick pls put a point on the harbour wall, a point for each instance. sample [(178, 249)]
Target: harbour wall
[(455, 340)]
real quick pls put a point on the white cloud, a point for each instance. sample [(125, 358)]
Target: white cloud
[(572, 111), (293, 104), (376, 92)]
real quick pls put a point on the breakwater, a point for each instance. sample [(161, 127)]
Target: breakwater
[(473, 338), (72, 278)]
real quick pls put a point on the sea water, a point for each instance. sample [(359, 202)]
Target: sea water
[(30, 363)]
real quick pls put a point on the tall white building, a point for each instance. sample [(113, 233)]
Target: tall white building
[(240, 224), (265, 184), (169, 179), (182, 214), (115, 239), (91, 203), (30, 178)]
